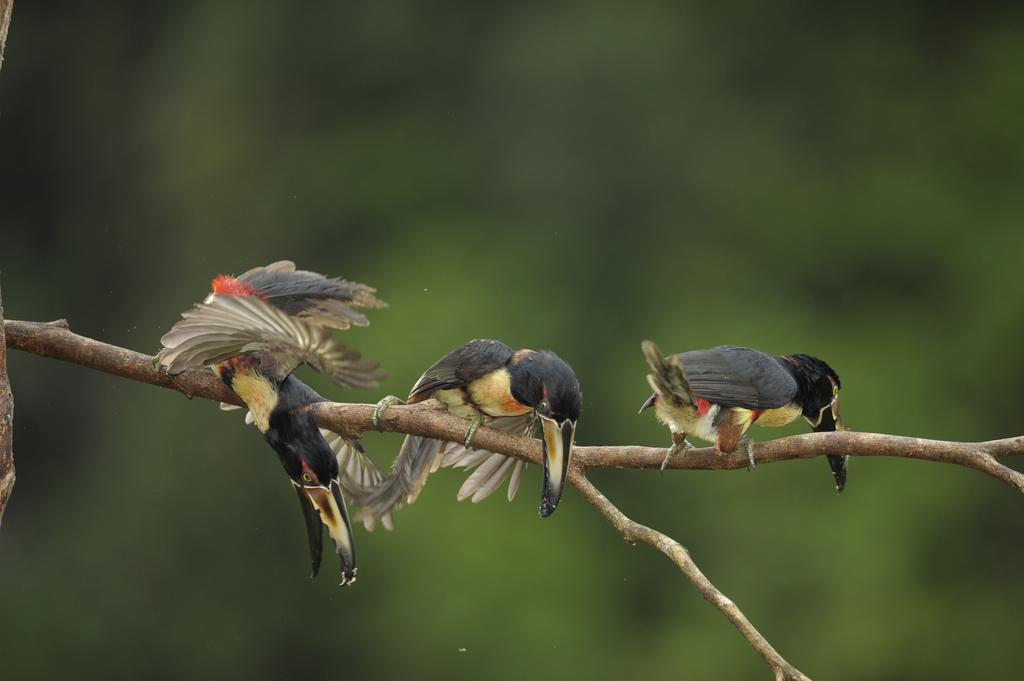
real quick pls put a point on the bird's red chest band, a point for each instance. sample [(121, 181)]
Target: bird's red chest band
[(755, 414), (703, 407), (229, 286)]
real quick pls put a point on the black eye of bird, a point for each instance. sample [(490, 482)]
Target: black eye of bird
[(306, 477), (543, 405)]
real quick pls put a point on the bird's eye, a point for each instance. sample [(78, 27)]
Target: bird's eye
[(835, 391), (543, 406), (306, 477)]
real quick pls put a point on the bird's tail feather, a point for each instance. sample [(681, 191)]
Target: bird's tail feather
[(418, 458), (668, 376)]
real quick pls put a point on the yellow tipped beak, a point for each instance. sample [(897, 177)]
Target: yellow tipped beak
[(331, 507), (558, 439), (835, 414)]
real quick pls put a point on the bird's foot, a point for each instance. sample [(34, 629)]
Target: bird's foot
[(386, 402), (683, 445), (748, 447), (477, 422)]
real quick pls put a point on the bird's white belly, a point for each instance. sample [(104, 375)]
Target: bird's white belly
[(704, 427), (686, 420)]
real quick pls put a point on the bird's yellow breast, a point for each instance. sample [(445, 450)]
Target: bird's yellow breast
[(493, 394), (780, 416), (257, 393)]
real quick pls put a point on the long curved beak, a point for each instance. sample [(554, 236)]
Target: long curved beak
[(558, 438), (314, 529), (331, 511), (829, 421)]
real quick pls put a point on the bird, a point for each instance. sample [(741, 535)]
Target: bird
[(253, 331), (487, 382), (718, 393)]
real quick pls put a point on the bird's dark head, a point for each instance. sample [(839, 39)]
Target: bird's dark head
[(545, 382), (819, 391)]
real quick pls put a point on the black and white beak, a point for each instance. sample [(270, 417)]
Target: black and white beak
[(325, 506), (558, 439)]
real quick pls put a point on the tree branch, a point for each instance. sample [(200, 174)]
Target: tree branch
[(633, 531), (6, 407), (429, 419), (6, 8), (6, 398)]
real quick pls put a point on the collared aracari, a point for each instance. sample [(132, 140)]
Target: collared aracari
[(254, 330), (717, 394), (485, 381)]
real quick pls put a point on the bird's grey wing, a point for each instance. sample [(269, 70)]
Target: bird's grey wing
[(461, 366), (738, 377), (227, 325), (491, 469), (312, 296)]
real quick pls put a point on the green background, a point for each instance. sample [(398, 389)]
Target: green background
[(578, 176)]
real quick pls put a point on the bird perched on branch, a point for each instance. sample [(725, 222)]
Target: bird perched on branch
[(486, 382), (718, 394), (254, 330)]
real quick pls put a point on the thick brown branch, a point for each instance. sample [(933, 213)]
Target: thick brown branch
[(54, 340), (633, 531), (6, 413)]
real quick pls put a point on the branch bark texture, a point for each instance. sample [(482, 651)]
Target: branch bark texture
[(429, 419), (6, 9), (6, 418), (6, 398)]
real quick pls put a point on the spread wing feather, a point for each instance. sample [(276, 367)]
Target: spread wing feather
[(227, 325), (323, 300), (420, 456)]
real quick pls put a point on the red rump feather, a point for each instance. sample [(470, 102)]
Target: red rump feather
[(703, 406), (226, 285)]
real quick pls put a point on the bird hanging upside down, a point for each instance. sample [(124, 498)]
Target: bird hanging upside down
[(254, 330), (718, 394), (486, 382)]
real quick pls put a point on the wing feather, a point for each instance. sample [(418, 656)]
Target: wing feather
[(322, 300), (420, 456), (227, 325), (461, 366), (739, 377)]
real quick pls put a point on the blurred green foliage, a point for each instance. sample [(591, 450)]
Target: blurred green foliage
[(793, 176)]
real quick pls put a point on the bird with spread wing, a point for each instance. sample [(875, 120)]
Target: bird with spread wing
[(254, 330)]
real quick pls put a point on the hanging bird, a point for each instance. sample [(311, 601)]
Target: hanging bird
[(717, 394), (486, 382), (254, 330)]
